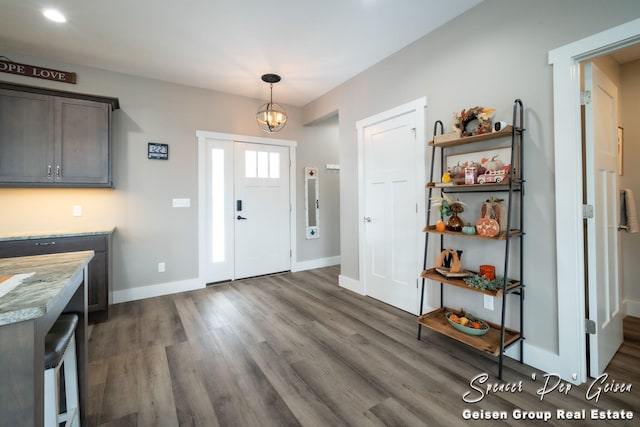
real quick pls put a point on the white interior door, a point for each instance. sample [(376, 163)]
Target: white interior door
[(390, 150), (262, 240), (601, 123)]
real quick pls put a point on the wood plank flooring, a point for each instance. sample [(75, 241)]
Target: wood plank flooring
[(294, 349)]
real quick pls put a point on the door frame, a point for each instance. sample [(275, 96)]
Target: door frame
[(571, 365), (418, 106), (202, 137)]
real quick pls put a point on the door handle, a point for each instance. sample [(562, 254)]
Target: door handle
[(367, 219), (240, 217)]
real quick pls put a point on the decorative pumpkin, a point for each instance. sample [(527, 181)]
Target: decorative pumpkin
[(441, 226), (487, 227), (469, 229), (446, 177), (457, 170), (494, 164)]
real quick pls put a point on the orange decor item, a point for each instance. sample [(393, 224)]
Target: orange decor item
[(488, 272), (487, 227)]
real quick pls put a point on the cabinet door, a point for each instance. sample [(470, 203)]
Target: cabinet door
[(82, 143), (26, 137)]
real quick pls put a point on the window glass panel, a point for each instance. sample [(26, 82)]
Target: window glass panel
[(263, 164), (274, 165), (217, 206), (250, 164)]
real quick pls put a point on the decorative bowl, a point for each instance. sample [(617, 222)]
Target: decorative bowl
[(484, 327)]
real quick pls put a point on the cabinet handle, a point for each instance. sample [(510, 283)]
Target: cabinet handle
[(58, 171), (48, 171), (45, 243)]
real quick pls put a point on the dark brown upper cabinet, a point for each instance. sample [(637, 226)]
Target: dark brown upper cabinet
[(51, 138)]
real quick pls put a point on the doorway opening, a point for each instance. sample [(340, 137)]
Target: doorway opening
[(571, 361), (391, 165), (246, 191), (618, 68)]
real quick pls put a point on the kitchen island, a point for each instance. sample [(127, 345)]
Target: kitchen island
[(96, 239), (34, 291)]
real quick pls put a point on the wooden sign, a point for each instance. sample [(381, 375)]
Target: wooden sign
[(37, 72)]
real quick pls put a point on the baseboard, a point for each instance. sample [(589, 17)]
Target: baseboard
[(351, 284), (160, 289), (538, 358), (633, 308), (315, 263)]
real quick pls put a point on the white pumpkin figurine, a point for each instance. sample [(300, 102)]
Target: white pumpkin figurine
[(494, 164)]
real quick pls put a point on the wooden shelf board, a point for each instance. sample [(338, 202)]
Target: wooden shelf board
[(504, 185), (507, 131), (501, 236), (432, 274), (489, 342)]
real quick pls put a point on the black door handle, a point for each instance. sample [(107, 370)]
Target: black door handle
[(240, 217)]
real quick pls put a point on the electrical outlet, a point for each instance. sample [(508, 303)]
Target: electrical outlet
[(181, 203), (488, 302), (77, 210), (161, 267)]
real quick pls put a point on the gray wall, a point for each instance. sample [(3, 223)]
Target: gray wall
[(494, 53), (630, 76), (318, 148), (149, 230)]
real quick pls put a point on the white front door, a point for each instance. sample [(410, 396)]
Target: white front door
[(261, 203), (604, 286), (391, 213)]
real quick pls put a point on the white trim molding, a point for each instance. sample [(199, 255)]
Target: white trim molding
[(572, 360), (315, 263), (632, 308), (350, 284), (160, 289)]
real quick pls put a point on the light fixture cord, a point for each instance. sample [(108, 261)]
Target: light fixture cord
[(271, 96)]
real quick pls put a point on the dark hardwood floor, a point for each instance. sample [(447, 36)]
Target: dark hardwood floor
[(295, 349)]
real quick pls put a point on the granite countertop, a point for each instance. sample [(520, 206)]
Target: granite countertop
[(31, 298), (50, 234)]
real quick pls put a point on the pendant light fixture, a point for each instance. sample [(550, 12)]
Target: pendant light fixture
[(270, 116)]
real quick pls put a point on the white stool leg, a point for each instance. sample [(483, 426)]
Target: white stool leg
[(71, 384), (51, 396)]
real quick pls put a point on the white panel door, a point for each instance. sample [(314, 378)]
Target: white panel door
[(390, 212), (262, 241), (602, 231)]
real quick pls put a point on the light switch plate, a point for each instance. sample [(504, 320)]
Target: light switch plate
[(77, 210), (181, 203), (488, 302)]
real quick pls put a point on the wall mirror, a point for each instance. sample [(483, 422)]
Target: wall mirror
[(312, 202)]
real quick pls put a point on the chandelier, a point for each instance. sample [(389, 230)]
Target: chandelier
[(271, 117)]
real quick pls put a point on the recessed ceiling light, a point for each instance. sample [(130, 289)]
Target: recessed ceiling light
[(54, 15)]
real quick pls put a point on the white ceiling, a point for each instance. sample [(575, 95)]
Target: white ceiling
[(226, 45)]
